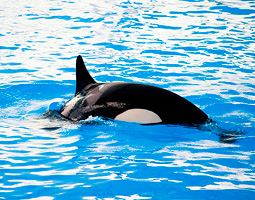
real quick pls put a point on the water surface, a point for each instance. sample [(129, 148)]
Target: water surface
[(200, 49)]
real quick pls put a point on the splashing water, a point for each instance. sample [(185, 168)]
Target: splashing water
[(202, 50)]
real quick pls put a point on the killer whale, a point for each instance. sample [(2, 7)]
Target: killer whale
[(131, 102)]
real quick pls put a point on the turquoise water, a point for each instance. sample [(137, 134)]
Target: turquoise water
[(202, 50)]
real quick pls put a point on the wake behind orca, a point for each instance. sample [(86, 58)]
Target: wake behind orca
[(130, 102)]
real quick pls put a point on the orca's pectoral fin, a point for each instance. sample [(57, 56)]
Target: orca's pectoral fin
[(83, 77)]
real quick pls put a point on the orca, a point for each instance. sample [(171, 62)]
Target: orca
[(130, 102)]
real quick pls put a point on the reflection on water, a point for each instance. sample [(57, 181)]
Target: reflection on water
[(87, 154), (202, 50)]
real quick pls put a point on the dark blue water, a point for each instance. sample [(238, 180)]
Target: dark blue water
[(202, 50)]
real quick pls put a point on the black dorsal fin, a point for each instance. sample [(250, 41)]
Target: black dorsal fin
[(83, 77)]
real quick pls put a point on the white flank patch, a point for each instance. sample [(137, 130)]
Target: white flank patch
[(141, 116)]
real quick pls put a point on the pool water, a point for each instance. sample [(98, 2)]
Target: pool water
[(202, 50)]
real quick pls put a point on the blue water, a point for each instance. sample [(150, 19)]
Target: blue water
[(202, 50)]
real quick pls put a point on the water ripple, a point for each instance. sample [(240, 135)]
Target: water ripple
[(202, 50)]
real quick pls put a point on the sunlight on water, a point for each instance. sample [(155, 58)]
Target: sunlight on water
[(202, 50)]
